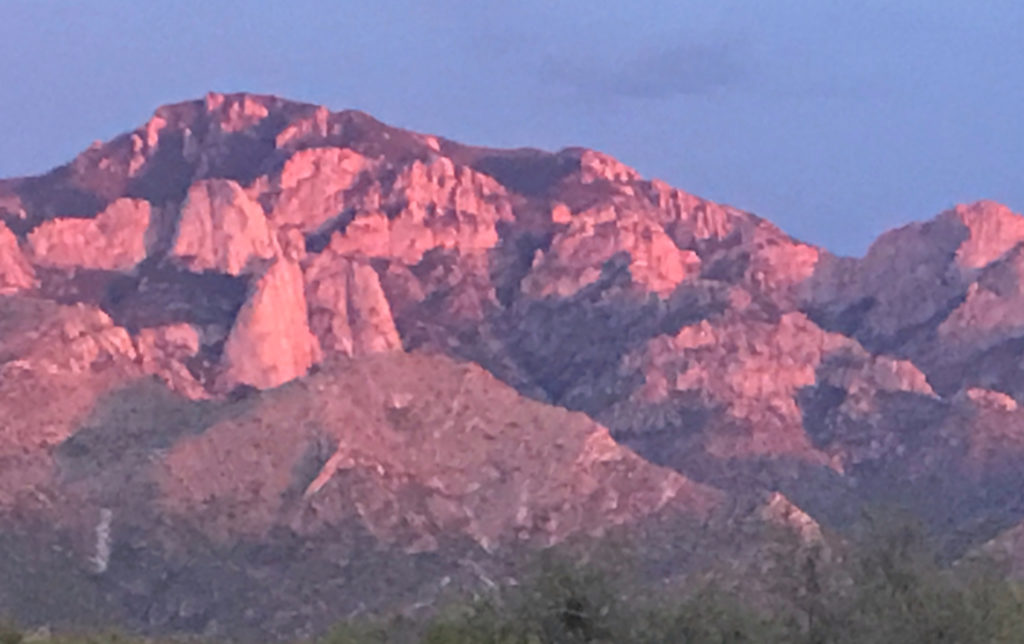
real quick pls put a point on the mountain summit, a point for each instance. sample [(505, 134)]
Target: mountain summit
[(256, 347)]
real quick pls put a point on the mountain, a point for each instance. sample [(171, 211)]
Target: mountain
[(256, 354)]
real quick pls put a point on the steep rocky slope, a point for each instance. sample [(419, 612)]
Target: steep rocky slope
[(421, 314)]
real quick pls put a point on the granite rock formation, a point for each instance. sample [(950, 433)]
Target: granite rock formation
[(263, 324)]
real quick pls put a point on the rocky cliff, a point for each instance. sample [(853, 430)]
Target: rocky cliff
[(253, 323)]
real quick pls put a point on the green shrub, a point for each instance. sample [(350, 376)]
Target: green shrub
[(567, 602)]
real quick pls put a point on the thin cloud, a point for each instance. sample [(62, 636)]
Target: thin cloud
[(683, 69)]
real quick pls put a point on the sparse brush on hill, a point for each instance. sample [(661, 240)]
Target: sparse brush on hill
[(886, 586)]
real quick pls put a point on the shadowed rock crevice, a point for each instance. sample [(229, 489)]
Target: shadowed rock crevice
[(512, 259), (847, 320), (56, 195), (997, 368), (167, 174), (159, 295), (529, 172)]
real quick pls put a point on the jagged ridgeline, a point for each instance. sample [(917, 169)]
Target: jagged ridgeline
[(263, 365)]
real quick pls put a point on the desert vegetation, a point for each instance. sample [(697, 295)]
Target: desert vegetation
[(887, 584)]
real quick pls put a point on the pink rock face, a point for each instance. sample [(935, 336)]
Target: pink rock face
[(770, 260), (74, 339), (270, 342), (757, 376), (348, 310), (15, 272), (593, 237), (435, 205), (310, 129), (942, 291), (907, 272), (313, 184), (368, 235), (752, 369), (441, 205), (992, 230), (989, 314), (235, 113), (777, 262), (164, 350), (595, 166), (992, 310), (701, 335), (912, 273), (221, 229), (688, 219), (93, 339), (113, 240)]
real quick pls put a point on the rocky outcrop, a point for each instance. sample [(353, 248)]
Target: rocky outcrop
[(167, 350), (916, 275), (221, 229), (746, 390), (942, 293), (348, 310), (991, 228), (115, 239), (68, 340), (270, 342), (89, 338), (16, 273), (430, 205), (233, 243), (781, 512), (312, 188), (577, 254), (595, 166)]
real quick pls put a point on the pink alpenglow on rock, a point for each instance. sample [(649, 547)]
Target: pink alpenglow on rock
[(313, 185), (221, 229), (15, 272), (113, 240), (349, 311), (270, 342)]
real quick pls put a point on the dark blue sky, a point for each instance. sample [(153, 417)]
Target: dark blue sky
[(836, 119)]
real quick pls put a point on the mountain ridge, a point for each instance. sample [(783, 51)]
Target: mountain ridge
[(664, 359)]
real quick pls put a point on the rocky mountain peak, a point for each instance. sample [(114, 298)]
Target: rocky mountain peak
[(992, 230), (264, 322)]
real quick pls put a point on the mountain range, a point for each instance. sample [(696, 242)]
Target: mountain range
[(263, 365)]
